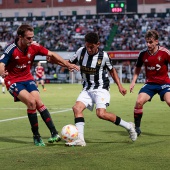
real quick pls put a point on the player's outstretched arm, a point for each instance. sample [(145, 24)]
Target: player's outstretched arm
[(135, 76), (116, 79), (55, 58)]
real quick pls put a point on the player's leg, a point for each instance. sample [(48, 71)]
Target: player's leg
[(129, 126), (145, 94), (167, 98), (165, 93), (37, 80), (44, 114), (82, 102), (42, 84), (102, 98), (79, 123), (18, 91), (138, 110), (3, 87)]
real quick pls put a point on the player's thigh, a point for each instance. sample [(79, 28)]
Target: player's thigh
[(25, 97), (36, 96), (42, 81), (146, 93), (142, 99), (167, 98)]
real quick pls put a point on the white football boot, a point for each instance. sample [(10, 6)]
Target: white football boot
[(77, 142), (132, 132)]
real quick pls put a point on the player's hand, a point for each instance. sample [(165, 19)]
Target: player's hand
[(73, 67), (123, 91), (132, 85), (49, 59)]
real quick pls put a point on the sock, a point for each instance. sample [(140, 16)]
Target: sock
[(122, 123), (43, 86), (32, 116), (138, 113), (3, 89), (79, 122), (47, 119)]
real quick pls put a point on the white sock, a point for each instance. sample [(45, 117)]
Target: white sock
[(124, 124), (80, 127), (3, 89)]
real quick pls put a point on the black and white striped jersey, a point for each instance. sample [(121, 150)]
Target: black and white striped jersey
[(94, 69)]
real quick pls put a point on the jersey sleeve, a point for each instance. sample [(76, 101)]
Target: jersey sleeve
[(40, 50), (7, 54), (139, 62), (75, 58), (108, 61)]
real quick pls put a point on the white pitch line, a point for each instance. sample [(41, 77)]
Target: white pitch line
[(23, 117)]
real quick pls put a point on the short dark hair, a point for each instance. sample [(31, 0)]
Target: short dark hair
[(92, 37), (152, 34), (23, 28)]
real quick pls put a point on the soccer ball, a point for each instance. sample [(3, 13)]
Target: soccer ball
[(69, 133)]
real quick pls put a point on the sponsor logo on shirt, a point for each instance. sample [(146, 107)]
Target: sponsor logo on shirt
[(150, 68), (21, 66), (88, 70), (158, 67)]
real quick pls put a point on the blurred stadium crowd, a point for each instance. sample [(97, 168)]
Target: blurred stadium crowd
[(68, 34), (124, 33)]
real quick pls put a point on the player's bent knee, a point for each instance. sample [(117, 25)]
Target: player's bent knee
[(139, 103), (76, 109), (100, 114), (31, 103)]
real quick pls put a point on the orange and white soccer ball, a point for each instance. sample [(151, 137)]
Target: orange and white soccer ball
[(69, 133)]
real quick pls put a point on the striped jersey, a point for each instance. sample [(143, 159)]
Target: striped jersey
[(94, 68), (156, 65), (18, 64)]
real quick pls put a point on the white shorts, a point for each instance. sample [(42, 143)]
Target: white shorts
[(1, 80), (100, 97)]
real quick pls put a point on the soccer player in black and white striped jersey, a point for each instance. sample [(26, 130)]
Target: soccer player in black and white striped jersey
[(94, 66)]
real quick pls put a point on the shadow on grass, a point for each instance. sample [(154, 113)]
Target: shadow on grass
[(125, 133), (14, 139), (27, 140)]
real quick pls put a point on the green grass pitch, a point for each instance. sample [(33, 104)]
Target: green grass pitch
[(108, 146)]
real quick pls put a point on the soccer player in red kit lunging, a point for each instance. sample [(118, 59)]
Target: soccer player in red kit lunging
[(15, 65), (155, 59)]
